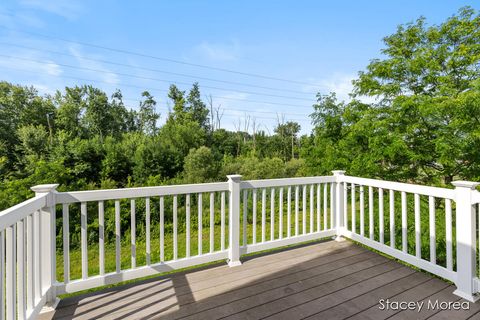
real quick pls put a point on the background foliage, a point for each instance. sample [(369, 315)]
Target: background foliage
[(414, 116)]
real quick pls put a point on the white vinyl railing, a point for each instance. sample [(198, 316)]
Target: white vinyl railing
[(434, 229)]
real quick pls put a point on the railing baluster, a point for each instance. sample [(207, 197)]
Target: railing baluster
[(448, 233), (30, 266), (418, 239), (289, 212), (280, 214), (212, 221), (381, 217), (147, 231), (83, 222), (272, 214), (175, 228), (187, 226), (200, 223), (392, 218), (101, 237), (118, 265), (312, 202), (332, 205), (304, 209), (318, 208), (11, 274), (433, 238), (2, 274), (254, 216), (162, 229), (404, 223), (222, 222), (296, 210), (244, 224), (345, 206), (264, 213), (66, 243), (354, 211), (325, 202), (133, 232), (362, 211), (21, 270), (370, 212), (37, 257)]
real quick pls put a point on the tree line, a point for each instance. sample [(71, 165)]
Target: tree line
[(414, 116)]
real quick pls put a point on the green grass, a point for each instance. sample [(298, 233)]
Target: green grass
[(93, 247)]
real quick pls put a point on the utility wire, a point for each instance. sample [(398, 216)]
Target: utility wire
[(154, 70), (242, 110), (154, 89), (255, 75), (224, 109), (153, 79)]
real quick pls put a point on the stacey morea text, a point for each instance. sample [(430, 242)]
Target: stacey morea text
[(386, 304)]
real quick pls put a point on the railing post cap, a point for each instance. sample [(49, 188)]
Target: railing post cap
[(465, 184), (235, 177), (44, 188), (338, 172)]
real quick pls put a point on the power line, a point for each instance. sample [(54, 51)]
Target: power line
[(154, 89), (236, 116), (224, 109), (152, 79), (156, 70), (232, 116), (241, 110), (255, 75)]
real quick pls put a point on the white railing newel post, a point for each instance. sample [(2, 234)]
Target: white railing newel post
[(234, 220), (48, 242), (466, 240), (338, 201)]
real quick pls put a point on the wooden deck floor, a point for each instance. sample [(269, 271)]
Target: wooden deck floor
[(328, 280)]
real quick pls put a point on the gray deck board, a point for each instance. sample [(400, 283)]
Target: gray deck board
[(326, 280)]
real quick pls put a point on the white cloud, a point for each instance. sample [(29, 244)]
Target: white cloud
[(47, 68), (106, 75), (219, 51), (229, 99), (29, 19), (65, 8), (10, 19), (44, 89), (339, 83)]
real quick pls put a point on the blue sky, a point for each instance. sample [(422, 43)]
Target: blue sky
[(320, 45)]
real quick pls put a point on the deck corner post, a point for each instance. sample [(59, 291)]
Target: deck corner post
[(234, 220), (466, 240), (339, 223), (48, 242)]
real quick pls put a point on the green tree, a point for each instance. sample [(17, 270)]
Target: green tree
[(178, 98), (200, 166), (34, 140), (288, 133), (147, 116), (196, 107), (420, 126)]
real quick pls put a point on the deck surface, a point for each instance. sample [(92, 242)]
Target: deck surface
[(327, 280)]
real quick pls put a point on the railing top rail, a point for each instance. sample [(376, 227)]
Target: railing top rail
[(18, 212), (399, 186), (253, 184), (128, 193)]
